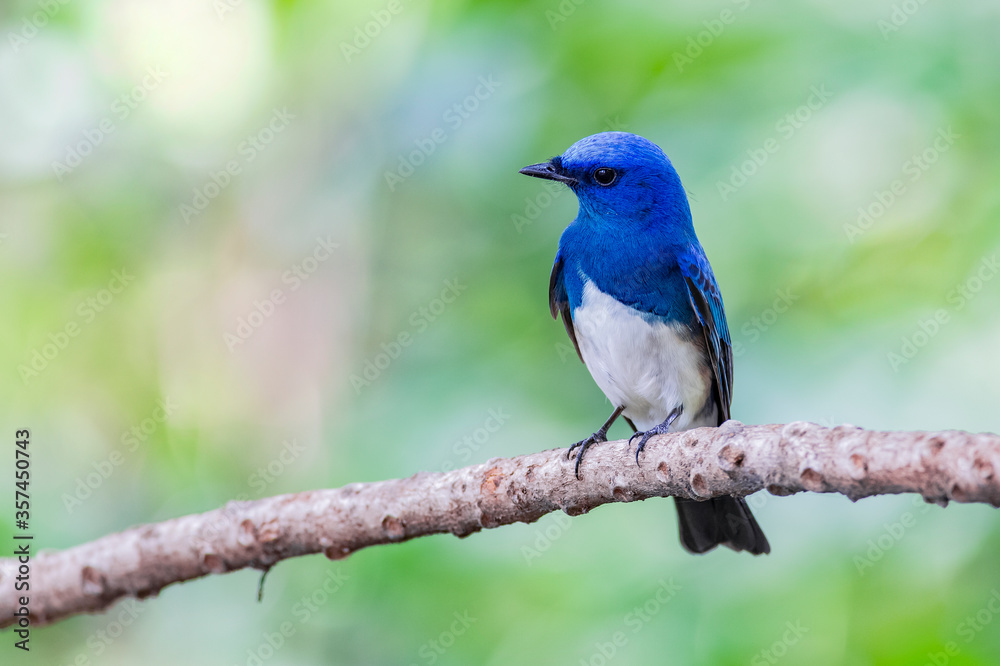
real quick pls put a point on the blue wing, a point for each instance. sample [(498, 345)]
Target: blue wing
[(706, 301), (559, 301)]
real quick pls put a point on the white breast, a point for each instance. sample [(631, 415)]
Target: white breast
[(650, 367)]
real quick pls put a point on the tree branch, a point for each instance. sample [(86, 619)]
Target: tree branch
[(733, 459)]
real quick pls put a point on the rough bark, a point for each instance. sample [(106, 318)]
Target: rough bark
[(734, 459)]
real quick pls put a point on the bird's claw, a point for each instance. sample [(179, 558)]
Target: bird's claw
[(645, 437), (661, 429), (584, 444)]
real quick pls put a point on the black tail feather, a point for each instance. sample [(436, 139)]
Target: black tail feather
[(721, 520)]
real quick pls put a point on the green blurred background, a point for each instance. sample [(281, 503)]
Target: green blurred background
[(212, 152)]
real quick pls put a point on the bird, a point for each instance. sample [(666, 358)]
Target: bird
[(641, 305)]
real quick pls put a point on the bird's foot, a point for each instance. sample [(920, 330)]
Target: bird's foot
[(661, 429), (597, 438)]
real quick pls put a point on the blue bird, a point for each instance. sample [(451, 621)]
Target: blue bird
[(642, 307)]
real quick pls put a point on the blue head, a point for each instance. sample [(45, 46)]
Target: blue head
[(621, 180)]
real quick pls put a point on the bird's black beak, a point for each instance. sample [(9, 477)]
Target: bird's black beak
[(549, 171)]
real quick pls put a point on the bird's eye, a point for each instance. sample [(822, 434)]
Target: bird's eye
[(605, 176)]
